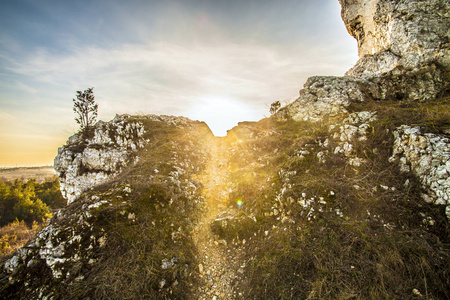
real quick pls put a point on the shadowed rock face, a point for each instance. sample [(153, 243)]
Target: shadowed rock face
[(428, 156), (392, 33)]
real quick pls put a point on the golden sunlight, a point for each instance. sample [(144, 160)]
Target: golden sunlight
[(222, 114)]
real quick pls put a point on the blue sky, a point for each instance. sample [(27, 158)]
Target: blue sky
[(216, 61)]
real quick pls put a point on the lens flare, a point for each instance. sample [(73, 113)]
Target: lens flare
[(239, 203)]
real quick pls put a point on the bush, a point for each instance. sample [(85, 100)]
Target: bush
[(274, 107), (30, 211)]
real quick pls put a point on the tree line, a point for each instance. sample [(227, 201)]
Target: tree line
[(29, 201)]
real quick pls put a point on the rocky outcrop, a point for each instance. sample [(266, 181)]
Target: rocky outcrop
[(156, 199), (390, 34), (326, 96), (84, 163), (404, 52)]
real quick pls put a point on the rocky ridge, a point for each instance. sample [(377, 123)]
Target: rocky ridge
[(404, 50), (149, 191), (85, 162), (342, 194)]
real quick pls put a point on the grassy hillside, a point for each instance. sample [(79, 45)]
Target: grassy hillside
[(325, 229), (278, 209)]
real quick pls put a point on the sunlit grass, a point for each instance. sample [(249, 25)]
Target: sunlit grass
[(363, 242)]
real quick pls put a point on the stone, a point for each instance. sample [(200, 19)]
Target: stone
[(413, 150), (83, 163), (404, 55), (406, 33), (323, 96)]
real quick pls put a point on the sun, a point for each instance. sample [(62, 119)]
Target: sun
[(222, 114)]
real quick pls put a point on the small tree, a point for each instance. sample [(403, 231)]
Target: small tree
[(274, 107), (85, 108)]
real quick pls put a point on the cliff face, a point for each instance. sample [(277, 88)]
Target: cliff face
[(342, 194), (398, 33)]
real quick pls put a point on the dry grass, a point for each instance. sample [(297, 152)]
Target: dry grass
[(381, 248), (15, 235), (433, 116), (130, 266)]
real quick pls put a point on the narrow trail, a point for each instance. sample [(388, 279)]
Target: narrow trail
[(217, 264)]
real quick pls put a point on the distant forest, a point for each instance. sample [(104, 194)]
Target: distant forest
[(29, 201)]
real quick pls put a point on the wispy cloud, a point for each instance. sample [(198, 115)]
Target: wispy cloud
[(4, 115), (163, 73), (165, 57)]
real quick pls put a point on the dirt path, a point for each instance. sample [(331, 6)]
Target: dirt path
[(217, 264)]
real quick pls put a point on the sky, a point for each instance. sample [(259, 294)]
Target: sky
[(221, 62)]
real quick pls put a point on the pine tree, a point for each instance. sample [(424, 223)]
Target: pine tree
[(85, 108)]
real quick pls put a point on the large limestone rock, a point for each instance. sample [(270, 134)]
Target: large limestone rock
[(329, 96), (404, 54), (146, 167), (83, 163), (392, 33), (324, 96), (428, 156)]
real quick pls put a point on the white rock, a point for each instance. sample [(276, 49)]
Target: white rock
[(427, 154), (83, 167)]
